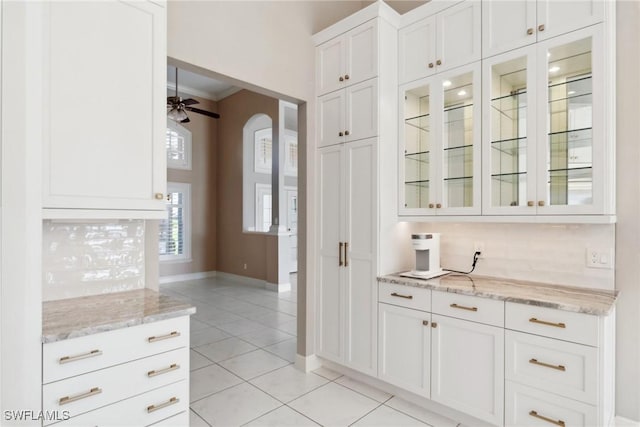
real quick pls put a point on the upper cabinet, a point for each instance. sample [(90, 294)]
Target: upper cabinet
[(440, 42), (105, 118), (512, 24), (347, 59)]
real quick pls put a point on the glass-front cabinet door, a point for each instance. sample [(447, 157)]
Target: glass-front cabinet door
[(440, 144)]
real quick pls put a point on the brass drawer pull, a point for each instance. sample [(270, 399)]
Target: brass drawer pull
[(546, 365), (69, 399), (462, 307), (549, 420), (173, 334), (395, 294), (346, 250), (155, 373), (542, 322), (169, 402), (340, 262), (67, 359)]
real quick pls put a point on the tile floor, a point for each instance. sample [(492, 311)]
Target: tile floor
[(243, 345)]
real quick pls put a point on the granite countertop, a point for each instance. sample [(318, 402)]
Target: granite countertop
[(77, 317), (568, 298)]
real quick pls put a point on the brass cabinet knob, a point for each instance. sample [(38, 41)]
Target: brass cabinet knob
[(159, 196), (438, 62), (341, 79), (540, 202), (541, 27), (434, 325), (438, 206), (530, 203), (431, 205), (346, 76), (340, 134), (346, 132), (425, 322), (430, 64), (530, 31)]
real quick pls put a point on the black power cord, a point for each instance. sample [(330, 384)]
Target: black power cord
[(473, 266)]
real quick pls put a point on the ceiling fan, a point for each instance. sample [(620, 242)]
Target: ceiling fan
[(177, 107)]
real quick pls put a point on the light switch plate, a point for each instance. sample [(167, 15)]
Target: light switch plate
[(599, 258)]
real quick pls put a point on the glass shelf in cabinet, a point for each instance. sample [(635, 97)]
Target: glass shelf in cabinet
[(511, 178), (512, 146)]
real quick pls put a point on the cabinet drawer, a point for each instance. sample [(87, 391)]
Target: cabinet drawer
[(95, 389), (405, 296), (530, 407), (67, 358), (135, 411), (178, 420), (555, 366), (468, 307), (565, 325)]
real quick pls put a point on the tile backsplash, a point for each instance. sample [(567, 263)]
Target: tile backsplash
[(91, 258), (548, 253)]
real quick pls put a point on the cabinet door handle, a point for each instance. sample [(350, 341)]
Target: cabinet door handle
[(540, 202), (549, 420), (438, 62), (173, 334), (544, 322), (169, 402), (346, 76), (462, 307), (340, 134), (547, 365), (67, 359), (438, 205), (341, 79), (431, 205), (159, 196), (530, 31), (434, 325), (425, 322), (346, 248), (155, 373), (541, 27), (340, 263), (395, 294), (530, 203), (430, 64), (346, 132), (69, 399)]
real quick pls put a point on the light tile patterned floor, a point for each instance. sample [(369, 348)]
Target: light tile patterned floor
[(243, 344)]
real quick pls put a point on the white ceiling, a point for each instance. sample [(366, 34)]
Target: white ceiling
[(198, 85)]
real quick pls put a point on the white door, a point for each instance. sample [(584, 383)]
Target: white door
[(330, 66), (330, 295), (360, 238), (417, 50), (558, 17), (362, 111), (361, 60), (458, 35), (467, 367), (507, 25), (404, 348), (331, 118), (292, 227)]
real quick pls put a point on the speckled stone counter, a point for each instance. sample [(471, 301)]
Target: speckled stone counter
[(568, 298), (76, 317)]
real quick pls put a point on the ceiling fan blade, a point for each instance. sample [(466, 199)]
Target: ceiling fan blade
[(206, 113), (190, 101)]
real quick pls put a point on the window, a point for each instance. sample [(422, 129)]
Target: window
[(175, 231), (263, 207), (263, 148), (178, 146)]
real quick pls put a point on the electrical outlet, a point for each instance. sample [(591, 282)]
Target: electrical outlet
[(244, 266), (599, 258), (479, 247)]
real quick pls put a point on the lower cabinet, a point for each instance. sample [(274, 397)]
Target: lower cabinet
[(404, 351), (467, 367)]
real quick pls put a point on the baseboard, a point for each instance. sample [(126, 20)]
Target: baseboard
[(307, 363), (188, 276), (250, 281), (625, 422), (278, 287)]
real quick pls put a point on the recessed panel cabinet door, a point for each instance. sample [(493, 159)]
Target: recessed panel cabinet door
[(361, 61), (362, 110), (507, 24), (557, 17), (458, 35), (417, 50), (104, 129), (330, 66), (467, 367), (331, 118)]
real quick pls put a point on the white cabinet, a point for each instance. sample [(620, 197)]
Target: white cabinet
[(104, 92), (439, 144), (348, 59), (405, 348), (84, 375), (467, 367), (349, 114), (347, 287), (440, 42), (508, 25), (548, 149)]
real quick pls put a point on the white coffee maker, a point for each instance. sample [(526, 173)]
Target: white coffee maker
[(427, 247)]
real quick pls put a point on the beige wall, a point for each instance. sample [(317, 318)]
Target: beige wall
[(203, 180), (235, 247)]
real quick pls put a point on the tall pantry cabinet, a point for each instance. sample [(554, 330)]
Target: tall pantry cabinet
[(356, 174)]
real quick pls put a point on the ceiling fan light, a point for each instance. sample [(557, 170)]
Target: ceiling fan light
[(177, 114)]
